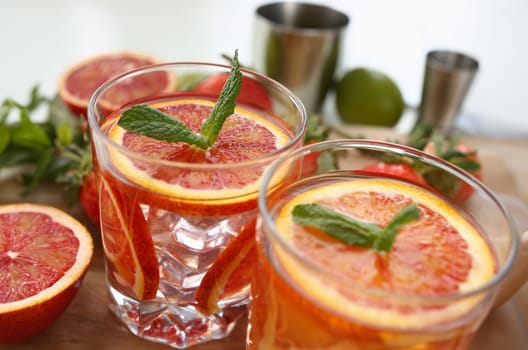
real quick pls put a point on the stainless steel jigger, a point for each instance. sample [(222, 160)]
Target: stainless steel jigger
[(298, 44), (447, 79)]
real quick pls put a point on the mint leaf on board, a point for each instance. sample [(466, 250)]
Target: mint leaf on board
[(5, 137), (54, 149), (352, 231), (148, 121)]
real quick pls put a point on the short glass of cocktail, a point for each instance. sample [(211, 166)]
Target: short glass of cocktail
[(350, 258), (179, 152)]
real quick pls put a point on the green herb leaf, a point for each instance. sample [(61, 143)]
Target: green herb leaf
[(386, 237), (5, 137), (340, 226), (148, 121), (29, 134), (64, 134), (225, 106), (352, 231)]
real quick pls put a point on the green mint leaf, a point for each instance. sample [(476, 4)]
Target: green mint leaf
[(5, 137), (467, 164), (385, 239), (29, 134), (352, 231), (37, 176), (225, 105), (17, 156), (64, 133), (148, 121), (341, 227)]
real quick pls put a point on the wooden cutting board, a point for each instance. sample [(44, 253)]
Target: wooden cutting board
[(87, 324)]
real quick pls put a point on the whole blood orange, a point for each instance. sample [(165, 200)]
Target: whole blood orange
[(78, 82), (44, 255)]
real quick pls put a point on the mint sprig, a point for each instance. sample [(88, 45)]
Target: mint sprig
[(53, 149), (148, 121), (352, 231)]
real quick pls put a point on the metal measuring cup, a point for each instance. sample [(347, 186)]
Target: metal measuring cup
[(447, 79)]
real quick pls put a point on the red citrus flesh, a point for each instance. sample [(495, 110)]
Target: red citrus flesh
[(44, 255), (218, 190), (245, 136), (441, 253), (78, 82)]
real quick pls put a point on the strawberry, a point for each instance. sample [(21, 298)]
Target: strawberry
[(251, 92), (89, 199), (460, 154), (397, 170)]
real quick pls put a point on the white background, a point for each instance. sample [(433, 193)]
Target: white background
[(40, 38)]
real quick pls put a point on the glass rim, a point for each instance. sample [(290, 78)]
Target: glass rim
[(95, 126), (495, 280)]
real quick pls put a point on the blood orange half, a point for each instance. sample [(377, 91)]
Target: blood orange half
[(203, 182), (44, 255), (441, 253), (78, 82)]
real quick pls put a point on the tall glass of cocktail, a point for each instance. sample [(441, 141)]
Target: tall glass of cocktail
[(349, 258), (177, 218)]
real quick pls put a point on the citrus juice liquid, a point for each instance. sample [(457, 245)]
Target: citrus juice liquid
[(310, 291), (166, 223)]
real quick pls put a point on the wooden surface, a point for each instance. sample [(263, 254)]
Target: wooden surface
[(87, 324)]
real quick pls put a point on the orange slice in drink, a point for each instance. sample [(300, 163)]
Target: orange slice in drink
[(205, 182), (129, 250), (44, 255), (79, 81), (230, 273), (441, 253)]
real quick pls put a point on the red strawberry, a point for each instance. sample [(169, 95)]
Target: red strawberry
[(251, 92), (89, 199)]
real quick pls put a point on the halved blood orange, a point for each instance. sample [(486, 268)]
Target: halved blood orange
[(230, 273), (44, 255), (441, 253), (211, 189), (78, 82), (131, 258)]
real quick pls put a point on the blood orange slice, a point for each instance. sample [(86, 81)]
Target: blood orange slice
[(131, 258), (217, 187), (230, 273), (44, 255), (78, 82), (439, 254)]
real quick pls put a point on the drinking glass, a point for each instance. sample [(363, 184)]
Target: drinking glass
[(177, 227), (306, 300)]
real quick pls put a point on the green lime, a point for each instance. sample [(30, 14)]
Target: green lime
[(366, 96)]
